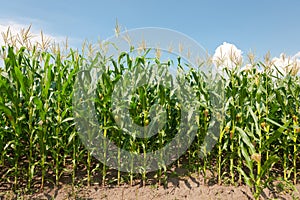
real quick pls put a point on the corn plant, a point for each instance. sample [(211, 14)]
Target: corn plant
[(257, 142)]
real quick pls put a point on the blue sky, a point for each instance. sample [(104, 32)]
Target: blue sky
[(258, 25)]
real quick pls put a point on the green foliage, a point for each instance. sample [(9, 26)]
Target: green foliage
[(258, 135)]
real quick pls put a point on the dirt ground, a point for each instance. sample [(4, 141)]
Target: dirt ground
[(177, 188)]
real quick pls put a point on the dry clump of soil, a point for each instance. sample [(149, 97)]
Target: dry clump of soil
[(188, 187)]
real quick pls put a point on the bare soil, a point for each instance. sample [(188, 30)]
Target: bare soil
[(187, 187)]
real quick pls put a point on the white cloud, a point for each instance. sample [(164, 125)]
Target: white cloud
[(286, 64), (12, 32), (297, 56), (227, 55)]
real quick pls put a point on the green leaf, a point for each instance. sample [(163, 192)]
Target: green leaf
[(248, 160), (6, 110), (20, 79), (267, 165), (247, 180), (73, 134), (68, 119), (284, 127), (255, 119), (246, 140)]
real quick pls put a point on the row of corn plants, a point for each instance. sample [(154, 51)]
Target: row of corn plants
[(257, 142)]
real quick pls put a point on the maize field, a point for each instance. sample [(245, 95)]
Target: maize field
[(258, 142)]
